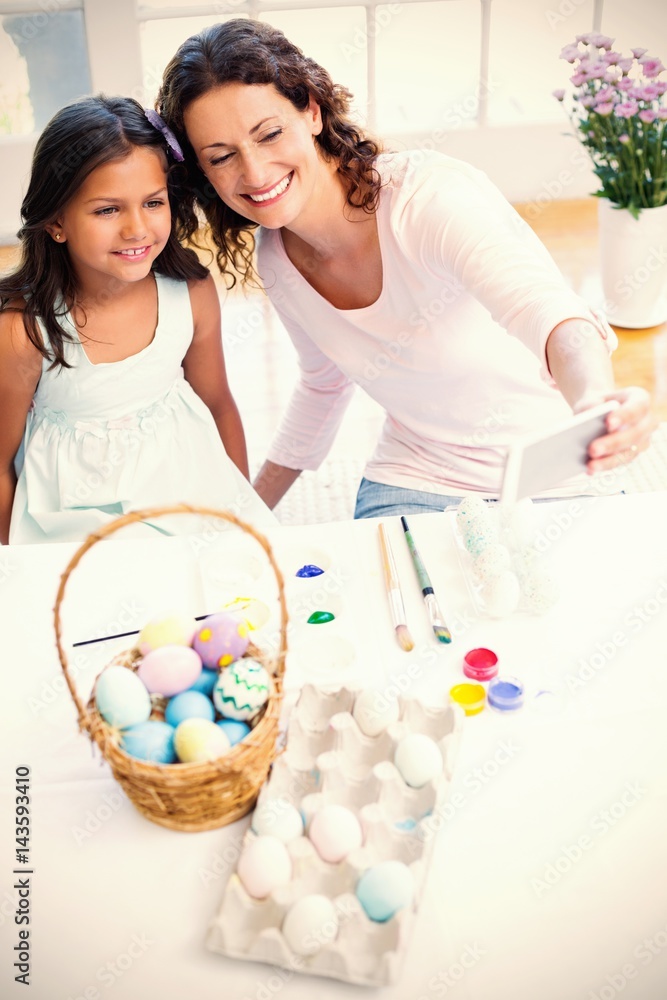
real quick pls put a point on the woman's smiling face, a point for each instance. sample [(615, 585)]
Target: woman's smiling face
[(257, 150)]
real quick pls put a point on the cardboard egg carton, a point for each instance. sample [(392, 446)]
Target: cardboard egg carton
[(329, 760)]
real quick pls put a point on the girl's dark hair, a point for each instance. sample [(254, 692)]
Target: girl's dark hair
[(79, 138), (253, 52)]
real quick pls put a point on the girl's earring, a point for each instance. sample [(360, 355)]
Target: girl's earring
[(57, 236)]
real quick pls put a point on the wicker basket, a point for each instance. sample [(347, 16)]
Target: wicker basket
[(188, 797)]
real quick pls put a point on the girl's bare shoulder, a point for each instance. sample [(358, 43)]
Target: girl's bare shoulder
[(16, 347)]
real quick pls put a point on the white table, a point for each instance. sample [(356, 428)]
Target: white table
[(548, 877)]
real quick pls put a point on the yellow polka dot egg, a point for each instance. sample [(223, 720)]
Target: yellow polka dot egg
[(221, 639)]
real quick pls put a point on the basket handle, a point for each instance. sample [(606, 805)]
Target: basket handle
[(85, 721)]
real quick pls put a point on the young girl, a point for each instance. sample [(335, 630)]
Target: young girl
[(112, 378), (405, 273)]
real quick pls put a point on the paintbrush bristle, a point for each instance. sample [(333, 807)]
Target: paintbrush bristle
[(442, 634), (404, 638)]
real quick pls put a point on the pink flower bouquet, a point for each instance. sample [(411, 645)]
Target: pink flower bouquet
[(620, 117)]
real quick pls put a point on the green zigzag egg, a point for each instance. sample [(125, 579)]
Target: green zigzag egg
[(241, 690)]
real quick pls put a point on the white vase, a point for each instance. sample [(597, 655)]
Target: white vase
[(633, 256)]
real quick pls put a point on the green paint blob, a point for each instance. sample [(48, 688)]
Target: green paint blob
[(319, 617)]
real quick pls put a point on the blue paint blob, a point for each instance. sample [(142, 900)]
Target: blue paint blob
[(309, 570)]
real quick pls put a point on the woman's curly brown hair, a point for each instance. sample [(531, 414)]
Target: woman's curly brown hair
[(253, 52)]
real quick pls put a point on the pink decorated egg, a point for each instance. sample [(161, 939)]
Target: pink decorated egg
[(170, 669), (221, 639)]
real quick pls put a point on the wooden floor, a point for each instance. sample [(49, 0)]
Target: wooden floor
[(569, 230)]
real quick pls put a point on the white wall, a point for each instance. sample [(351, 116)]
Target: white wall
[(526, 147)]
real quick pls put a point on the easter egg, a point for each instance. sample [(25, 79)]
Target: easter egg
[(189, 705), (250, 610), (263, 866), (309, 924), (166, 630), (384, 889), (221, 639), (169, 670), (205, 682), (418, 759), (152, 741), (468, 508), (335, 831), (491, 561), (234, 730), (479, 533), (241, 690), (121, 698), (279, 818), (196, 740), (540, 591), (373, 712), (501, 594)]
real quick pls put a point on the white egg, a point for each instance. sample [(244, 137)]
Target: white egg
[(335, 832), (540, 591), (480, 532), (264, 865), (309, 924), (373, 711), (491, 561), (279, 818), (418, 759), (501, 595), (469, 507)]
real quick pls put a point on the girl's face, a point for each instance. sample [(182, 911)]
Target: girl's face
[(118, 221), (257, 150)]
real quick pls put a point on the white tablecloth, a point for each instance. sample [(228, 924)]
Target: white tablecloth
[(549, 874)]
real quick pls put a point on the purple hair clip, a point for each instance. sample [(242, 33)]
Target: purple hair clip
[(169, 136)]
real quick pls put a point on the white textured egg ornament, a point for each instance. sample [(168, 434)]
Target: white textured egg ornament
[(501, 595), (469, 507), (491, 561), (242, 689), (373, 711), (540, 591), (479, 533)]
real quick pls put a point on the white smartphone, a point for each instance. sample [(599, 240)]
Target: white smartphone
[(541, 461)]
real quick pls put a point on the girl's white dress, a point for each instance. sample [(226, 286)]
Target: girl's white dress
[(103, 439)]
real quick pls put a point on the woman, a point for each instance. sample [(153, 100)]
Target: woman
[(408, 274)]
